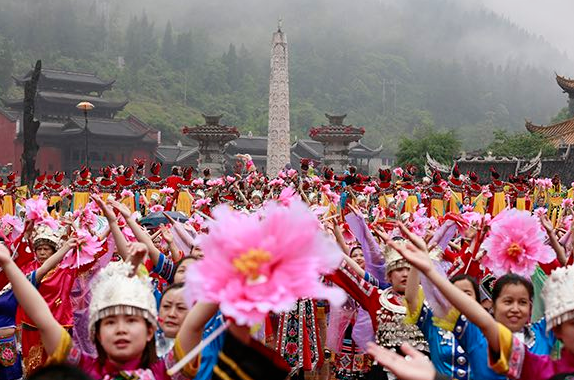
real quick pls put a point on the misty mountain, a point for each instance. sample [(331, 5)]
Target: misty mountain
[(392, 65)]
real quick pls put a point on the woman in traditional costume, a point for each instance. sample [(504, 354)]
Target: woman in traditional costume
[(10, 358), (126, 187), (498, 201), (54, 191), (108, 186), (82, 187), (407, 184), (386, 188), (456, 185), (184, 200), (10, 191), (155, 181), (475, 191), (555, 196), (512, 299), (121, 324), (436, 197)]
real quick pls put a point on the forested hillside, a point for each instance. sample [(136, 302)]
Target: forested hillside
[(392, 66)]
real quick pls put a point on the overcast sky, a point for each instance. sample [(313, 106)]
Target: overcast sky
[(551, 19)]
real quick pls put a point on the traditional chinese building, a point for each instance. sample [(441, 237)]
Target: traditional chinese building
[(62, 132), (212, 138), (561, 135), (336, 138)]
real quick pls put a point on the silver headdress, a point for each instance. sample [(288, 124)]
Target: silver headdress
[(558, 297), (115, 292), (45, 235), (393, 259)]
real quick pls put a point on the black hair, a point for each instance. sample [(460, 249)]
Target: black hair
[(149, 354), (511, 279), (354, 249), (177, 285), (185, 258), (59, 371), (472, 280)]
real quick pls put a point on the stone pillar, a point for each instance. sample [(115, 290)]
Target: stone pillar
[(278, 136), (336, 155), (211, 156), (212, 138), (336, 139)]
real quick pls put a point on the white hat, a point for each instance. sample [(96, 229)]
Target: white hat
[(115, 292), (45, 235), (256, 193), (558, 297), (393, 259)]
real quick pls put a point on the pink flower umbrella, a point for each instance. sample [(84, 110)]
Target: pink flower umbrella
[(258, 263)]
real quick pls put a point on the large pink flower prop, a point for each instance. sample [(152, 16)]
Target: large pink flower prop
[(37, 212), (84, 253), (86, 216), (516, 244), (276, 182), (254, 264), (156, 208), (126, 194), (368, 190), (287, 196), (166, 190)]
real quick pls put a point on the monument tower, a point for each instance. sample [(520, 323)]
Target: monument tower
[(278, 141)]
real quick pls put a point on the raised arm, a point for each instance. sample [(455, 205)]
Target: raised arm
[(417, 255), (191, 330), (138, 231), (55, 259), (374, 263), (176, 254), (31, 302), (554, 243), (412, 289), (340, 239), (119, 238)]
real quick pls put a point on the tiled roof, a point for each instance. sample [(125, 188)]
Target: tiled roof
[(69, 99), (558, 134), (105, 127), (173, 154), (68, 76)]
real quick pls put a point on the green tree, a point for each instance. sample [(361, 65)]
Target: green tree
[(523, 144), (563, 115), (441, 145)]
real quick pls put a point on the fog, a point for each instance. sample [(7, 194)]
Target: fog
[(393, 65), (551, 19), (372, 22)]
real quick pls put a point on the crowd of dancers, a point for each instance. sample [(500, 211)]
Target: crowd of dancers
[(127, 274)]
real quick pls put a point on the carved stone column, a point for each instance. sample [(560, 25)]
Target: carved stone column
[(278, 141)]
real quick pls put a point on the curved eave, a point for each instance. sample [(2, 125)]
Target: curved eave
[(12, 103), (336, 138), (533, 128), (565, 84)]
